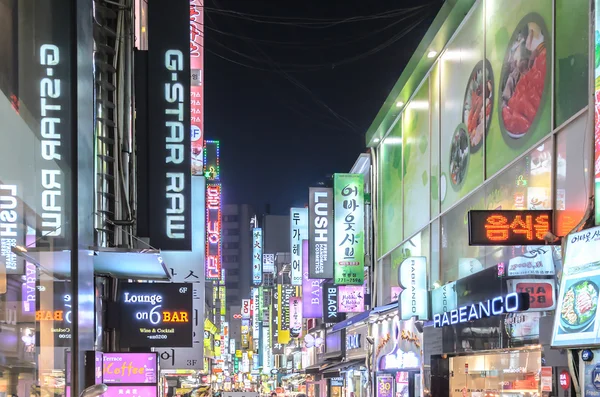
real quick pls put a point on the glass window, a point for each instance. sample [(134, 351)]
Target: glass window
[(435, 140), (390, 182)]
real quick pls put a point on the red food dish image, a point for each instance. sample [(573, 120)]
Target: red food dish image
[(524, 79), (479, 94)]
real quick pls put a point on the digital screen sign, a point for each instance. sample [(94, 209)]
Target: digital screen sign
[(504, 227), (136, 368), (156, 314), (53, 311)]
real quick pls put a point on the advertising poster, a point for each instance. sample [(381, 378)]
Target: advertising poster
[(591, 376), (136, 368), (415, 127), (519, 49), (522, 326), (169, 126), (246, 308), (414, 299), (351, 299), (320, 232), (576, 321), (295, 316), (597, 110), (390, 189), (466, 110), (312, 305), (541, 292), (349, 229), (156, 314), (385, 385), (197, 84), (257, 247), (269, 263), (298, 232), (546, 379)]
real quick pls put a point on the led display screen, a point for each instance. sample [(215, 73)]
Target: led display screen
[(504, 227)]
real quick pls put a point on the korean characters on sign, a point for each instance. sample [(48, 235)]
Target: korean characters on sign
[(509, 227), (298, 232), (257, 243), (349, 229)]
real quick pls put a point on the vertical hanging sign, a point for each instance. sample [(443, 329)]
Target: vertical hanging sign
[(597, 109), (295, 303), (298, 232), (284, 294), (320, 232), (213, 232), (197, 84), (312, 306), (349, 229), (257, 243), (414, 298), (170, 226)]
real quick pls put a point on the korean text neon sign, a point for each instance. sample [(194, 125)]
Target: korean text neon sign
[(213, 232), (527, 227)]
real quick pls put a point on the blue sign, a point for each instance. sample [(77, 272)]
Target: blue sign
[(587, 355), (513, 302)]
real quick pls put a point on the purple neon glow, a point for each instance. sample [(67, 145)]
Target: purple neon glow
[(312, 306)]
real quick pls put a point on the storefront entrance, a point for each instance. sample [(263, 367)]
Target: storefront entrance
[(508, 373)]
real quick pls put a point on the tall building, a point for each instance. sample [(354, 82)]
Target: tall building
[(237, 251)]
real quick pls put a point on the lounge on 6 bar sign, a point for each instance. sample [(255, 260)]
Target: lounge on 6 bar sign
[(156, 314), (169, 154)]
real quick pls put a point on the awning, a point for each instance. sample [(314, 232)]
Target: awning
[(363, 316), (139, 264), (334, 370)]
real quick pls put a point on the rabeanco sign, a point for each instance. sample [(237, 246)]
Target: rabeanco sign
[(511, 303)]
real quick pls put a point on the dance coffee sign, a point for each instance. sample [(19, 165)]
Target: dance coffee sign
[(156, 314)]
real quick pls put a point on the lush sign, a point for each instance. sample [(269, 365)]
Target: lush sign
[(156, 314), (320, 232), (505, 227), (349, 229), (511, 303)]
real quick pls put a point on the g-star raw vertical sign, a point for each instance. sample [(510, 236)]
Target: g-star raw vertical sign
[(298, 232), (349, 229), (320, 232), (11, 228), (169, 125), (197, 83), (213, 232), (54, 141), (257, 243), (412, 276)]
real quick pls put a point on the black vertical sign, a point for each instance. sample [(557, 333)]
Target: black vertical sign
[(169, 146), (320, 233), (330, 304)]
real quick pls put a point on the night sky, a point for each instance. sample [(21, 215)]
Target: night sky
[(292, 86)]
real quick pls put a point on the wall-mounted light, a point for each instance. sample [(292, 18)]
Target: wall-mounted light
[(431, 54), (399, 104), (376, 140)]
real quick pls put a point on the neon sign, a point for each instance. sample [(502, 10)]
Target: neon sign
[(513, 302), (509, 227), (213, 232), (197, 84)]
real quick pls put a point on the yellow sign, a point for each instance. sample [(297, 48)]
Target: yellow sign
[(238, 353), (283, 337)]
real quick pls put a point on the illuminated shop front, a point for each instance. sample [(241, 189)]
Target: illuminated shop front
[(485, 335), (398, 356), (356, 373)]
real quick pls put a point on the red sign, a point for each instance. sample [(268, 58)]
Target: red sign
[(197, 84), (213, 232), (565, 379), (541, 294), (509, 227), (237, 316)]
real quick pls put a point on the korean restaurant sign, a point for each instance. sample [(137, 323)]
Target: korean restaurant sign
[(169, 190), (257, 248), (213, 232), (298, 232), (312, 294), (509, 227), (320, 233), (156, 314), (269, 263), (349, 229), (54, 142), (414, 298), (197, 83)]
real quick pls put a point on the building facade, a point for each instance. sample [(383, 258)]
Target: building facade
[(237, 251)]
